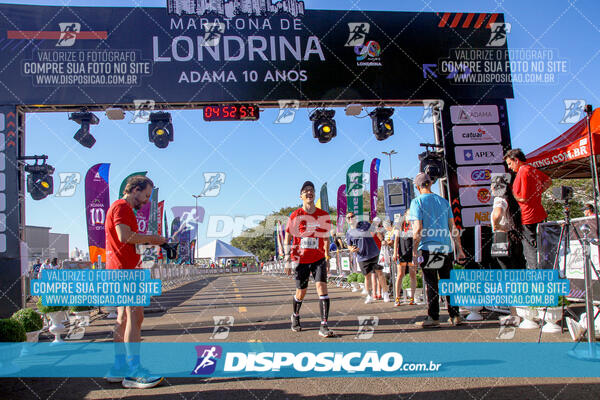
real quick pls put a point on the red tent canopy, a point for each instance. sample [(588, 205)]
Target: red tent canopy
[(567, 156)]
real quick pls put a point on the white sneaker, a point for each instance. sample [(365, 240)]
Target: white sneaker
[(369, 299), (386, 297), (364, 292), (575, 329)]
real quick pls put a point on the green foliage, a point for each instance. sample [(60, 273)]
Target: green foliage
[(80, 308), (31, 320), (352, 277), (562, 301), (360, 278), (49, 309), (582, 193), (406, 280), (12, 331)]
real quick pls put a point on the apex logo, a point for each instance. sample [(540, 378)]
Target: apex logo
[(207, 359)]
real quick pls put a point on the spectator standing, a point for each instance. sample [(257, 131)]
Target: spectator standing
[(433, 227), (528, 186), (403, 251)]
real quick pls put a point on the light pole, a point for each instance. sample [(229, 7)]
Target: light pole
[(196, 196), (389, 154)]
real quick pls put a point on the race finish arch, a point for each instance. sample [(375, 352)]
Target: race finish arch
[(194, 53)]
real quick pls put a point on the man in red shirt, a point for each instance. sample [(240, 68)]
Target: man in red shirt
[(121, 237), (309, 253), (528, 186)]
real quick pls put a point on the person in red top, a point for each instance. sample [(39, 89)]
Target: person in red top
[(528, 186), (308, 229), (121, 237)]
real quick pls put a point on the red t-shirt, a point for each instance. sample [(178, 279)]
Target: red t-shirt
[(309, 232), (528, 185), (120, 255)]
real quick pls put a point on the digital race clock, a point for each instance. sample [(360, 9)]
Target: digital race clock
[(231, 112)]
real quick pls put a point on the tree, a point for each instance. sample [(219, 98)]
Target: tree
[(582, 193)]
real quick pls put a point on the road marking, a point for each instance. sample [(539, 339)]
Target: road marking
[(254, 341), (242, 309), (239, 296), (236, 290)]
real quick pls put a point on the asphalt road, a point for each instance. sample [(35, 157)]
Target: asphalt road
[(260, 307)]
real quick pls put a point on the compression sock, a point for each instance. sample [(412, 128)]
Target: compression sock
[(297, 304), (324, 308)]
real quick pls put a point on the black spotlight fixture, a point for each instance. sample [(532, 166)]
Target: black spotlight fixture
[(432, 163), (160, 130), (85, 119), (39, 181), (383, 126), (323, 125)]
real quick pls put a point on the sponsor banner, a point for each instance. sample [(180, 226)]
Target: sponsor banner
[(355, 188), (482, 175), (482, 114), (490, 154), (475, 196), (239, 53), (279, 360), (373, 183), (153, 216), (476, 134), (97, 202), (341, 208), (324, 198), (476, 216), (570, 153)]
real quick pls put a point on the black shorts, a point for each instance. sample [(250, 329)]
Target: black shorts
[(318, 269), (405, 250), (369, 266)]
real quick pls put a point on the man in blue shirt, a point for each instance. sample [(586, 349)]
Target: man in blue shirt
[(360, 241), (433, 232)]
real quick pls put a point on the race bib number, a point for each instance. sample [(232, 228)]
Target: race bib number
[(309, 243)]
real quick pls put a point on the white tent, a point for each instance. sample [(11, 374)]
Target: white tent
[(218, 249)]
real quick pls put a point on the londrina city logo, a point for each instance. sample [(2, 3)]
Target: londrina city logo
[(207, 359)]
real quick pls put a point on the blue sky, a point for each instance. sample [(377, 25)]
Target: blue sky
[(265, 163)]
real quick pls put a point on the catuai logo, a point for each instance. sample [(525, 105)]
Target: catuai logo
[(483, 195), (207, 359), (481, 175)]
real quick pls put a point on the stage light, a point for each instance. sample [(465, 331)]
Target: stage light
[(383, 126), (160, 130), (432, 163), (39, 181), (324, 128), (85, 119)]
